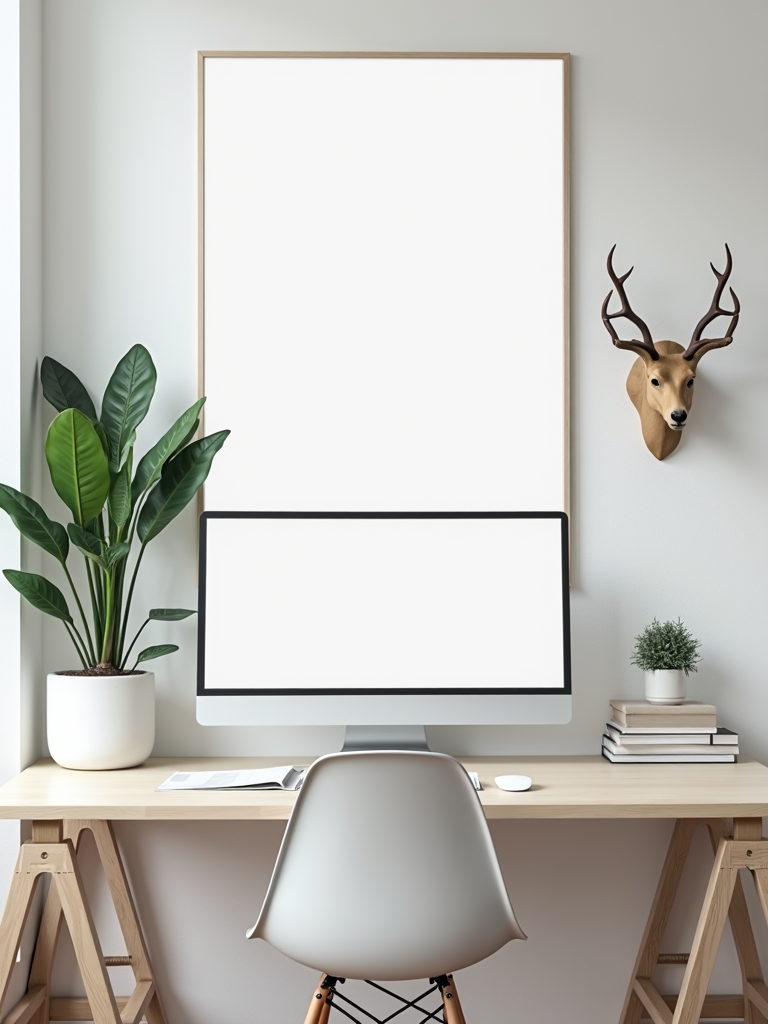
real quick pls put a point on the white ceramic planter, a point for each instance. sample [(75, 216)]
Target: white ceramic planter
[(100, 722), (665, 686)]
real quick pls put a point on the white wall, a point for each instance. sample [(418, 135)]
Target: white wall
[(20, 351), (670, 152)]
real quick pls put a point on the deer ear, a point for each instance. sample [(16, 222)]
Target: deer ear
[(706, 345)]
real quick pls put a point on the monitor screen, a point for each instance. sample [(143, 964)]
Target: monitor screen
[(333, 605)]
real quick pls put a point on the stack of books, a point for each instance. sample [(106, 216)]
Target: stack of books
[(643, 733)]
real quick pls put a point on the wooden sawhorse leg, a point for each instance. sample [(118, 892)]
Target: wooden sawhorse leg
[(52, 852), (745, 848)]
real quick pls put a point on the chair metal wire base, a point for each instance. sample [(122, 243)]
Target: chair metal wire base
[(428, 1015), (337, 1000)]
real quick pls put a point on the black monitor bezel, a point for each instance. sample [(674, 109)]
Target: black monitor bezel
[(564, 690)]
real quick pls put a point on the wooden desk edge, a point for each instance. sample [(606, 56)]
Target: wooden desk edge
[(604, 791)]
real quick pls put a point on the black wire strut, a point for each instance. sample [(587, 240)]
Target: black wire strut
[(336, 997)]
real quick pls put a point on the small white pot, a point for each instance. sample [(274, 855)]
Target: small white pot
[(100, 722), (665, 686)]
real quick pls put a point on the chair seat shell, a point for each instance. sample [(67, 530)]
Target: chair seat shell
[(387, 870)]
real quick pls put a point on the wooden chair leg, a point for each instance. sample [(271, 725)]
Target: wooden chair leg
[(451, 1006), (319, 1004), (661, 907), (326, 1011)]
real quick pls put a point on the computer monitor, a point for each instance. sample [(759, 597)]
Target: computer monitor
[(380, 619)]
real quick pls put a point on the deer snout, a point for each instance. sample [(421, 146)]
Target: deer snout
[(678, 416)]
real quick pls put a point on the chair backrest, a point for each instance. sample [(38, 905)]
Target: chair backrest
[(387, 870)]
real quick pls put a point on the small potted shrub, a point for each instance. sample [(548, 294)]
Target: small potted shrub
[(667, 653), (102, 714)]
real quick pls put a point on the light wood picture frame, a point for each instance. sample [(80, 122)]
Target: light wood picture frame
[(384, 279)]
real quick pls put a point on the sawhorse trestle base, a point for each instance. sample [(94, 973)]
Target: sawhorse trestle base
[(53, 848), (743, 848), (52, 851)]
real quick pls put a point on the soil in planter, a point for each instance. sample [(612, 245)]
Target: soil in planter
[(100, 670)]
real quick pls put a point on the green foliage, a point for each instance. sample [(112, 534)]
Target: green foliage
[(63, 390), (126, 402), (31, 522), (667, 645), (115, 511), (40, 593), (77, 465), (158, 651), (179, 481)]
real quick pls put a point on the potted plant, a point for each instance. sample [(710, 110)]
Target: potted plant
[(667, 653), (102, 714)]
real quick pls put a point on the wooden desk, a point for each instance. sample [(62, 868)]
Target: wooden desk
[(61, 804)]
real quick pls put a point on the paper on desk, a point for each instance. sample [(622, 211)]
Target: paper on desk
[(283, 777)]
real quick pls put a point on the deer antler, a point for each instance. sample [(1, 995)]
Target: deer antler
[(699, 345), (646, 345)]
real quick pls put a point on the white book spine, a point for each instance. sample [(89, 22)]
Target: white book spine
[(718, 758), (649, 749), (643, 739)]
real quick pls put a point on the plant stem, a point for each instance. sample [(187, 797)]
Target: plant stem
[(100, 578), (124, 626), (119, 631), (133, 642), (107, 645), (136, 512), (94, 604), (74, 641), (90, 648)]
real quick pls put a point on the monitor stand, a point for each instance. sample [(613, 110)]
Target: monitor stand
[(385, 737)]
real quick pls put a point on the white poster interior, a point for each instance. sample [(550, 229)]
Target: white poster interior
[(384, 283)]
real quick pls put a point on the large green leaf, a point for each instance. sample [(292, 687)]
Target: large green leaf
[(181, 477), (170, 614), (120, 496), (126, 455), (148, 470), (32, 522), (79, 468), (127, 399), (185, 440), (158, 651), (88, 543), (116, 553), (64, 390), (40, 592), (102, 437)]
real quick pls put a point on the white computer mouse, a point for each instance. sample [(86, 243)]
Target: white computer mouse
[(513, 783)]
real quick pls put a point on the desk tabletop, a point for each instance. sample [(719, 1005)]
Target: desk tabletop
[(563, 787)]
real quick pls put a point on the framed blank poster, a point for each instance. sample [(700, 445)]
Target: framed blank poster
[(384, 318)]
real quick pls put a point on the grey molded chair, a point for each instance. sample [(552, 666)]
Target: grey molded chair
[(387, 870)]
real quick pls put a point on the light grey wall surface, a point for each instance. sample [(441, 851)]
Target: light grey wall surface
[(20, 351), (670, 151)]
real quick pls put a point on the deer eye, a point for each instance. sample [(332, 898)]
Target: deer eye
[(690, 383), (655, 382)]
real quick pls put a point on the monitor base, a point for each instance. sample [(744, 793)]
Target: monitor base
[(385, 737)]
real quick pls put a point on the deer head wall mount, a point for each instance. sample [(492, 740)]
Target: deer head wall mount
[(660, 382)]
